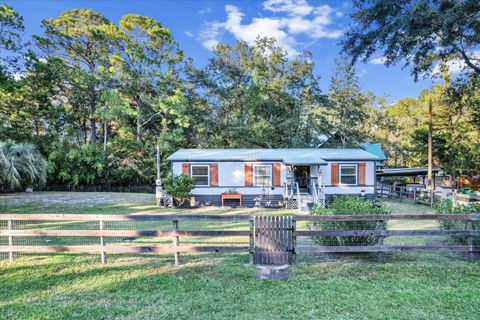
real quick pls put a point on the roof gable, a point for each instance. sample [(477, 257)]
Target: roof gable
[(374, 148)]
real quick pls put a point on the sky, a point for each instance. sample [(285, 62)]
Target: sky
[(316, 26)]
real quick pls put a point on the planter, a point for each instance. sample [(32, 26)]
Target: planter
[(231, 196)]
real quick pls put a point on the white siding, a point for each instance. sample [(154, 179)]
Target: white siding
[(369, 179), (232, 175)]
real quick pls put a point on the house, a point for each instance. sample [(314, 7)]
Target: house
[(270, 176)]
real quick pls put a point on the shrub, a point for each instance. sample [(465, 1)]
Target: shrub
[(446, 207), (348, 206), (179, 187)]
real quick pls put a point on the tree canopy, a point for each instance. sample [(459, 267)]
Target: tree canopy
[(127, 86), (419, 34)]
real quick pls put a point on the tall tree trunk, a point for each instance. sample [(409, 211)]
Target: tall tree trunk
[(84, 131), (139, 118), (139, 129), (93, 132), (93, 107), (37, 128), (430, 146), (105, 135)]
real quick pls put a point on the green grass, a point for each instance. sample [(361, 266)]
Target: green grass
[(223, 286), (76, 288)]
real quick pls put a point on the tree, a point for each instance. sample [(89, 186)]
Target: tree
[(348, 105), (11, 28), (84, 39), (395, 126), (21, 165), (402, 128), (148, 60), (179, 187), (417, 33), (256, 97)]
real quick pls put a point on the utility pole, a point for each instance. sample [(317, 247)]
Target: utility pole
[(158, 189), (430, 147), (158, 165)]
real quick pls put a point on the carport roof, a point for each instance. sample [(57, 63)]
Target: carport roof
[(405, 172)]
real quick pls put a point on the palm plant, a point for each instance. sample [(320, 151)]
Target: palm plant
[(21, 164)]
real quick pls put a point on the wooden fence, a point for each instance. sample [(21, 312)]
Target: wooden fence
[(424, 196), (269, 239), (104, 248), (469, 233)]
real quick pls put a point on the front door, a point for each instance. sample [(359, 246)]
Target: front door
[(302, 176)]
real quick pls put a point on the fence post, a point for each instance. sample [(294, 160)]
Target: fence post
[(11, 253), (470, 239), (381, 256), (251, 243), (431, 198), (414, 195), (176, 243), (103, 254), (294, 239)]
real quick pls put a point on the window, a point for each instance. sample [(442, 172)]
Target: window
[(201, 174), (262, 175), (348, 174)]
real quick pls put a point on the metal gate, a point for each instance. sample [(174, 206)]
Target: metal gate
[(274, 240)]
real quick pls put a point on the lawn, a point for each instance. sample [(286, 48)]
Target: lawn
[(222, 286)]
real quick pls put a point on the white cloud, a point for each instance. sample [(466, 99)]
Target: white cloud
[(456, 66), (188, 33), (378, 60), (205, 10), (299, 7), (291, 18), (453, 66)]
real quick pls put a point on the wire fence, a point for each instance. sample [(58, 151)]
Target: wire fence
[(314, 238), (132, 236), (99, 188), (419, 238)]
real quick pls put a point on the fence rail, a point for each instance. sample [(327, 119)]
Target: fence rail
[(103, 235), (424, 196), (272, 234), (381, 233)]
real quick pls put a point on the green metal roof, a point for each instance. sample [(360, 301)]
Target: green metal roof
[(374, 148), (290, 156)]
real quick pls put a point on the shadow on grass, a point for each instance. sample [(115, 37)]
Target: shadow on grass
[(223, 287)]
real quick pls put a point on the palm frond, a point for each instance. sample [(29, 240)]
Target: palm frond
[(21, 165)]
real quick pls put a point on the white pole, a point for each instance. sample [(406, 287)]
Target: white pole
[(158, 162)]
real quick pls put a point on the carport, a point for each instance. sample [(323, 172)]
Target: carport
[(408, 172)]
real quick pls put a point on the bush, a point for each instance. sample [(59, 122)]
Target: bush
[(348, 206), (446, 207), (179, 187), (81, 166)]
